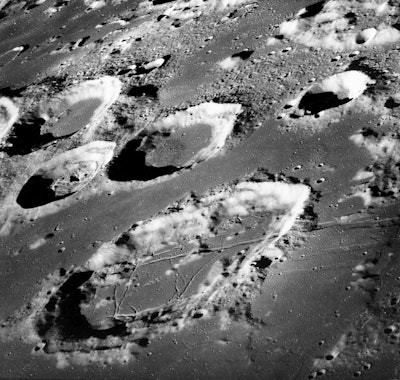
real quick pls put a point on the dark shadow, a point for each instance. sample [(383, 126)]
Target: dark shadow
[(369, 132), (130, 165), (83, 41), (352, 17), (391, 103), (360, 39), (176, 24), (61, 3), (62, 318), (26, 137), (148, 90), (32, 6), (142, 342), (12, 92), (124, 71), (161, 17), (360, 65), (315, 103), (158, 2), (36, 192), (313, 9), (262, 263), (245, 54), (373, 72)]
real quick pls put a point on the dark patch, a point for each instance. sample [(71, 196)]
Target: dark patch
[(310, 217), (159, 2), (160, 17), (391, 103), (130, 165), (61, 3), (245, 54), (352, 17), (32, 5), (148, 90), (313, 9), (360, 39), (264, 174), (65, 293), (12, 92), (315, 103), (25, 47), (374, 73), (124, 240), (62, 322), (121, 120), (151, 318), (27, 136), (124, 71), (36, 192), (369, 132), (262, 263), (143, 342), (83, 41)]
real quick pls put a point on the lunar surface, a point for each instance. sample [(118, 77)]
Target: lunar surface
[(200, 189)]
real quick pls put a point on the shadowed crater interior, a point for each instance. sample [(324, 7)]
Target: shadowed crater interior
[(313, 9), (158, 2), (37, 192), (391, 103), (130, 165), (315, 103), (33, 132), (245, 54), (148, 90), (262, 263), (62, 321), (27, 137)]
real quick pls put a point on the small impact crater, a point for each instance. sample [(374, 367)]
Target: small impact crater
[(336, 25), (63, 115), (331, 92), (234, 60), (76, 108), (65, 174), (178, 141)]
